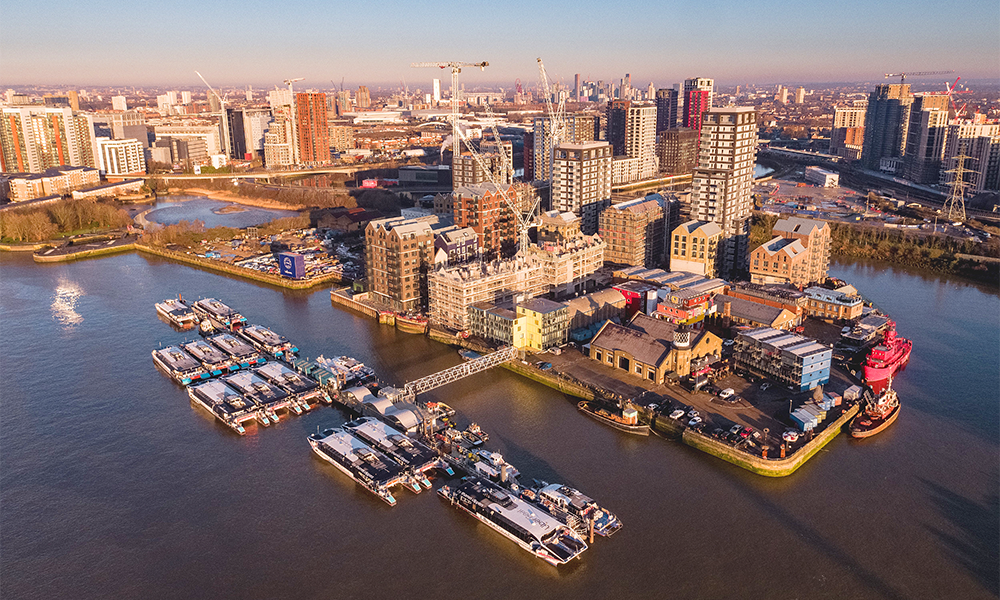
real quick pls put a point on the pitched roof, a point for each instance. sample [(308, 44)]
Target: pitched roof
[(642, 346), (798, 225), (708, 228), (780, 245), (660, 330), (748, 310)]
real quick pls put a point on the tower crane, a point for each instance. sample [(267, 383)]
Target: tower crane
[(223, 125), (456, 68), (289, 82), (557, 117), (222, 103), (903, 76)]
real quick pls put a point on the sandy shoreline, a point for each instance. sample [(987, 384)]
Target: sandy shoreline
[(230, 197)]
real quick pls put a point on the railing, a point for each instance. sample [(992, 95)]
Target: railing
[(441, 378)]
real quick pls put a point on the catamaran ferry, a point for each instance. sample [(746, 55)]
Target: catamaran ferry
[(180, 365), (219, 313), (177, 312), (269, 342), (530, 528), (404, 450), (300, 387), (572, 507), (253, 387), (375, 471), (214, 360), (243, 353), (225, 403)]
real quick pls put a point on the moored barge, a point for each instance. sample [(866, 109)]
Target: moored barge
[(214, 360), (244, 354), (877, 414), (305, 390), (625, 420), (225, 403)]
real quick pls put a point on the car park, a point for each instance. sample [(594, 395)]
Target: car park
[(694, 422), (693, 413), (764, 386)]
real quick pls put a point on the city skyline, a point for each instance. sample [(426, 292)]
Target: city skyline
[(777, 41)]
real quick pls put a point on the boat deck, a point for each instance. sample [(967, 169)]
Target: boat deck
[(362, 458), (400, 447)]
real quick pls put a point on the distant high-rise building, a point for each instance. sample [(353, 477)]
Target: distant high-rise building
[(364, 98), (698, 98), (119, 103), (437, 92), (723, 179), (678, 151), (185, 97), (172, 98), (313, 127), (129, 125), (581, 182), (978, 140), (35, 138), (782, 95), (579, 128), (631, 131), (255, 123), (235, 135), (800, 95), (848, 132), (121, 158), (343, 103), (925, 139), (280, 141), (886, 121), (668, 109), (74, 99), (577, 92), (466, 170)]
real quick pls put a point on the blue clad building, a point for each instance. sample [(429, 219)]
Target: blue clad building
[(790, 359)]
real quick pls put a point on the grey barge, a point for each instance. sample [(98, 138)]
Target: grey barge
[(269, 342), (181, 366), (375, 471)]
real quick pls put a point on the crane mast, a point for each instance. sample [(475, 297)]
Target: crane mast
[(456, 68)]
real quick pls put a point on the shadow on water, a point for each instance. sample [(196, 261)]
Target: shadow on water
[(976, 545), (811, 536)]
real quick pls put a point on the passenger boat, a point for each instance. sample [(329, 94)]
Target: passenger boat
[(350, 371), (269, 397), (244, 354), (492, 466), (177, 312), (532, 529), (225, 403), (572, 507), (877, 414), (222, 315), (214, 360), (624, 420), (180, 365), (373, 470), (305, 390), (406, 451), (269, 342), (886, 359)]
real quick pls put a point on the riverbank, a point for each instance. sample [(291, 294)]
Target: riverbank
[(226, 196)]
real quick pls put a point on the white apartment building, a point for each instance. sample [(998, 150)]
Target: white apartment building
[(209, 133), (119, 103), (640, 139), (723, 179), (121, 157), (980, 142), (581, 182)]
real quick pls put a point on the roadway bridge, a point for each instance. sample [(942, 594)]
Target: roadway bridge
[(452, 374)]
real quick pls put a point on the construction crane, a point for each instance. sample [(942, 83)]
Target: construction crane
[(456, 68), (557, 118), (222, 103), (289, 83), (903, 76), (223, 126)]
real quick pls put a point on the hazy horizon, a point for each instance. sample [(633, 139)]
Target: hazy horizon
[(239, 43)]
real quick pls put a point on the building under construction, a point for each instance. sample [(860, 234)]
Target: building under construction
[(451, 291)]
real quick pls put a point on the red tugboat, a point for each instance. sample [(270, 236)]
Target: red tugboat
[(877, 414), (886, 359)]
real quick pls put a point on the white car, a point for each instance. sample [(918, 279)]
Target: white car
[(677, 414), (693, 413), (764, 386), (726, 393), (727, 343)]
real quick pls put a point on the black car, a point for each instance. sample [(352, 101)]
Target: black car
[(719, 433), (712, 389)]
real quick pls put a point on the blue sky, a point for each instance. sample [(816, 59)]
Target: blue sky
[(261, 43)]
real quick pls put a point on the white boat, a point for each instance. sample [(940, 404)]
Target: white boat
[(529, 527), (375, 471), (177, 312)]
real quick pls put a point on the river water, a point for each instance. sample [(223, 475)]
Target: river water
[(170, 210), (113, 485)]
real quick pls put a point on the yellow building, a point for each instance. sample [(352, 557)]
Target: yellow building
[(546, 324), (694, 248)]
